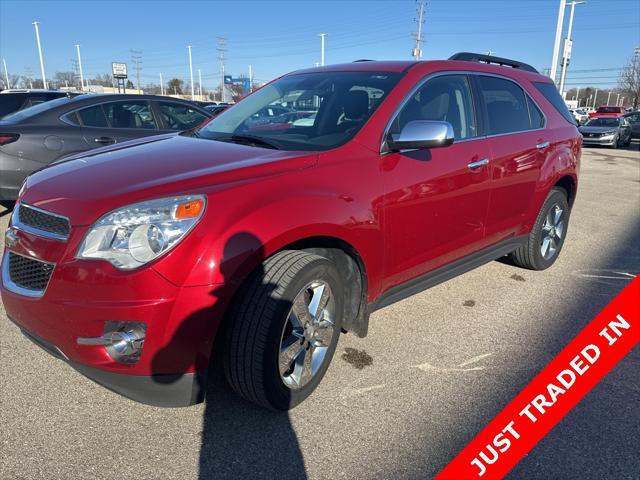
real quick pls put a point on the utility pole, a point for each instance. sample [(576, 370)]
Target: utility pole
[(161, 85), (44, 77), (222, 49), (595, 98), (578, 96), (80, 67), (136, 59), (322, 35), (618, 99), (200, 84), (417, 51), (6, 73), (250, 79), (191, 73), (568, 42), (556, 43), (29, 74)]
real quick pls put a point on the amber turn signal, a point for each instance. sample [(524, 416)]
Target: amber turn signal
[(190, 209)]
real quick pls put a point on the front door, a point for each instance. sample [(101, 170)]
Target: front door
[(435, 200)]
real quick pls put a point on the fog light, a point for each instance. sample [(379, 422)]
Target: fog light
[(122, 340)]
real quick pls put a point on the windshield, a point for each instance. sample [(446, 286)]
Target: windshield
[(313, 111), (31, 111), (603, 122)]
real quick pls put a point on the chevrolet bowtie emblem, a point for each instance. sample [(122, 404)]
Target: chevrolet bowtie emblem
[(11, 239)]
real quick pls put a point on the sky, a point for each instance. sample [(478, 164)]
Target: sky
[(276, 37)]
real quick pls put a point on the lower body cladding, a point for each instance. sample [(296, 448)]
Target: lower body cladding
[(152, 349)]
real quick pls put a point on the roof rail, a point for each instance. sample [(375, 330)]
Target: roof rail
[(481, 58), (363, 60)]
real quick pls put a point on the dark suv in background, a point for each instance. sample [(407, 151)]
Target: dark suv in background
[(14, 100)]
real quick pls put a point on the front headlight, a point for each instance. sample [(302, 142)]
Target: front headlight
[(132, 236)]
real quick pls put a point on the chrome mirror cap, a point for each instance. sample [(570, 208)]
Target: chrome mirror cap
[(419, 134)]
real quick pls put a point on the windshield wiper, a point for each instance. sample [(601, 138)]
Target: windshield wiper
[(250, 139)]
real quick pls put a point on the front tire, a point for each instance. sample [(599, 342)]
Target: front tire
[(547, 235), (284, 329)]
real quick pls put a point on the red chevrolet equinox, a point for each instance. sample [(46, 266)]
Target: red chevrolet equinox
[(285, 221)]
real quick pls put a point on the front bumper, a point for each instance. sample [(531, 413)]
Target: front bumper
[(608, 142), (82, 295)]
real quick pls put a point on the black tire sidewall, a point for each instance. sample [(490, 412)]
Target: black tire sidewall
[(278, 394), (556, 196)]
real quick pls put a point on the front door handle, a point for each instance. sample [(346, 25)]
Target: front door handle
[(478, 164), (105, 140), (542, 145)]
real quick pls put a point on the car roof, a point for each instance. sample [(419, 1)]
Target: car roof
[(401, 66)]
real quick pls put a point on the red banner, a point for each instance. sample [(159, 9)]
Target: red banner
[(553, 393)]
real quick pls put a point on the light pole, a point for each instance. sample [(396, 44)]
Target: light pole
[(6, 73), (191, 72), (322, 35), (44, 77), (567, 46), (608, 97), (617, 99), (161, 85), (250, 79), (200, 84), (80, 67), (595, 98), (556, 43)]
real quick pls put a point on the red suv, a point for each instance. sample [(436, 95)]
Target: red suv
[(608, 111), (133, 261)]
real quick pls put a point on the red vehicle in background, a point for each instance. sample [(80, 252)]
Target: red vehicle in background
[(135, 262), (608, 111)]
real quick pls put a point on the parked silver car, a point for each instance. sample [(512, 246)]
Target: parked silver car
[(606, 131)]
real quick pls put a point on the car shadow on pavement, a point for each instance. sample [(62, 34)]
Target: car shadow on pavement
[(239, 438)]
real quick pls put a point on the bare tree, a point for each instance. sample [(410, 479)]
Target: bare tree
[(64, 79), (629, 81)]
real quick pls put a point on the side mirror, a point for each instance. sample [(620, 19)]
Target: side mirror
[(419, 134)]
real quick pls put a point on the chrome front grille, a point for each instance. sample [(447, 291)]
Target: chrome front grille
[(40, 222), (24, 275)]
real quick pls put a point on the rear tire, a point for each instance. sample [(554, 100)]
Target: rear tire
[(276, 348), (547, 235)]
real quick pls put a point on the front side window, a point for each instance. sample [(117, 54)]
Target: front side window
[(130, 115), (446, 98), (309, 111), (180, 117), (505, 105)]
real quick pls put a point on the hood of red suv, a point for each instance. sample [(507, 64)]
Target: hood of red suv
[(88, 185)]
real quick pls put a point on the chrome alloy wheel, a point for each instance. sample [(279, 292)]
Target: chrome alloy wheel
[(552, 231), (307, 334)]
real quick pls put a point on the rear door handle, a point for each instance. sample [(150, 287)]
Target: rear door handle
[(542, 145), (105, 140), (478, 164)]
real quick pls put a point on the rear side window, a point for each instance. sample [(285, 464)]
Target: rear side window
[(505, 105), (551, 93), (537, 119), (93, 117)]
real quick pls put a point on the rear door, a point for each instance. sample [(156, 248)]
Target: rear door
[(435, 200), (118, 121), (514, 127)]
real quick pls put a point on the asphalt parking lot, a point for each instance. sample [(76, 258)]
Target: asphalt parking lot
[(399, 404)]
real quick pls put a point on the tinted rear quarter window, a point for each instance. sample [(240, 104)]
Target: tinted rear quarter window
[(551, 94), (93, 117), (537, 119), (505, 105)]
